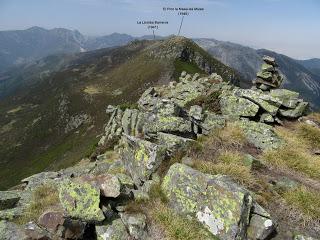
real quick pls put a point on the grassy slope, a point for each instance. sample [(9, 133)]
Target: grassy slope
[(44, 145)]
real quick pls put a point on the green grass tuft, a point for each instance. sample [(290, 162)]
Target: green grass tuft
[(180, 66)]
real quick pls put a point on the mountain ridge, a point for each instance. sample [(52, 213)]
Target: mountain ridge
[(71, 98)]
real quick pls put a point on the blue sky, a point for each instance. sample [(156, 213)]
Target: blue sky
[(291, 27)]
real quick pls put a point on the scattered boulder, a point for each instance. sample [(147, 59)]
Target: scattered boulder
[(141, 158), (167, 124), (195, 113), (265, 101), (219, 204), (81, 201), (211, 121)]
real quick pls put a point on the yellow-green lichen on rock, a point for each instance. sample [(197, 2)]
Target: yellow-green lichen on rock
[(260, 134), (141, 158), (114, 230), (81, 200), (215, 201)]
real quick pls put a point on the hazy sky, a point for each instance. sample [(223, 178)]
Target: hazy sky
[(291, 27)]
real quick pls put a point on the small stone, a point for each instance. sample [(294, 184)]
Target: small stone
[(264, 87), (136, 225), (51, 220), (195, 112), (301, 237), (260, 228), (267, 67), (183, 73), (266, 118), (114, 230), (269, 60), (264, 75)]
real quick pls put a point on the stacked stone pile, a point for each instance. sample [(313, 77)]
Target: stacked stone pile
[(268, 77)]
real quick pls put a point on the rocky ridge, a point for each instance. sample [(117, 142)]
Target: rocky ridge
[(93, 196)]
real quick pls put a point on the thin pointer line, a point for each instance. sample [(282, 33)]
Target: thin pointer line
[(180, 25)]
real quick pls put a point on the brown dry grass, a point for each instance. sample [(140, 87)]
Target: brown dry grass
[(223, 153), (296, 155), (305, 200)]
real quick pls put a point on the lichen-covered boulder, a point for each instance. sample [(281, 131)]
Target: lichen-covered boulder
[(260, 134), (168, 124), (186, 91), (265, 101), (172, 142), (114, 230), (81, 201), (295, 113), (15, 207), (37, 179), (12, 231), (141, 158), (166, 107), (148, 99), (8, 199), (288, 98), (234, 106), (108, 184), (211, 121), (218, 203), (265, 75)]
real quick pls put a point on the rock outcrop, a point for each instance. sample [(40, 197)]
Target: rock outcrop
[(93, 196)]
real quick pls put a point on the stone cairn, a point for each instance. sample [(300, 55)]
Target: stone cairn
[(268, 77)]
